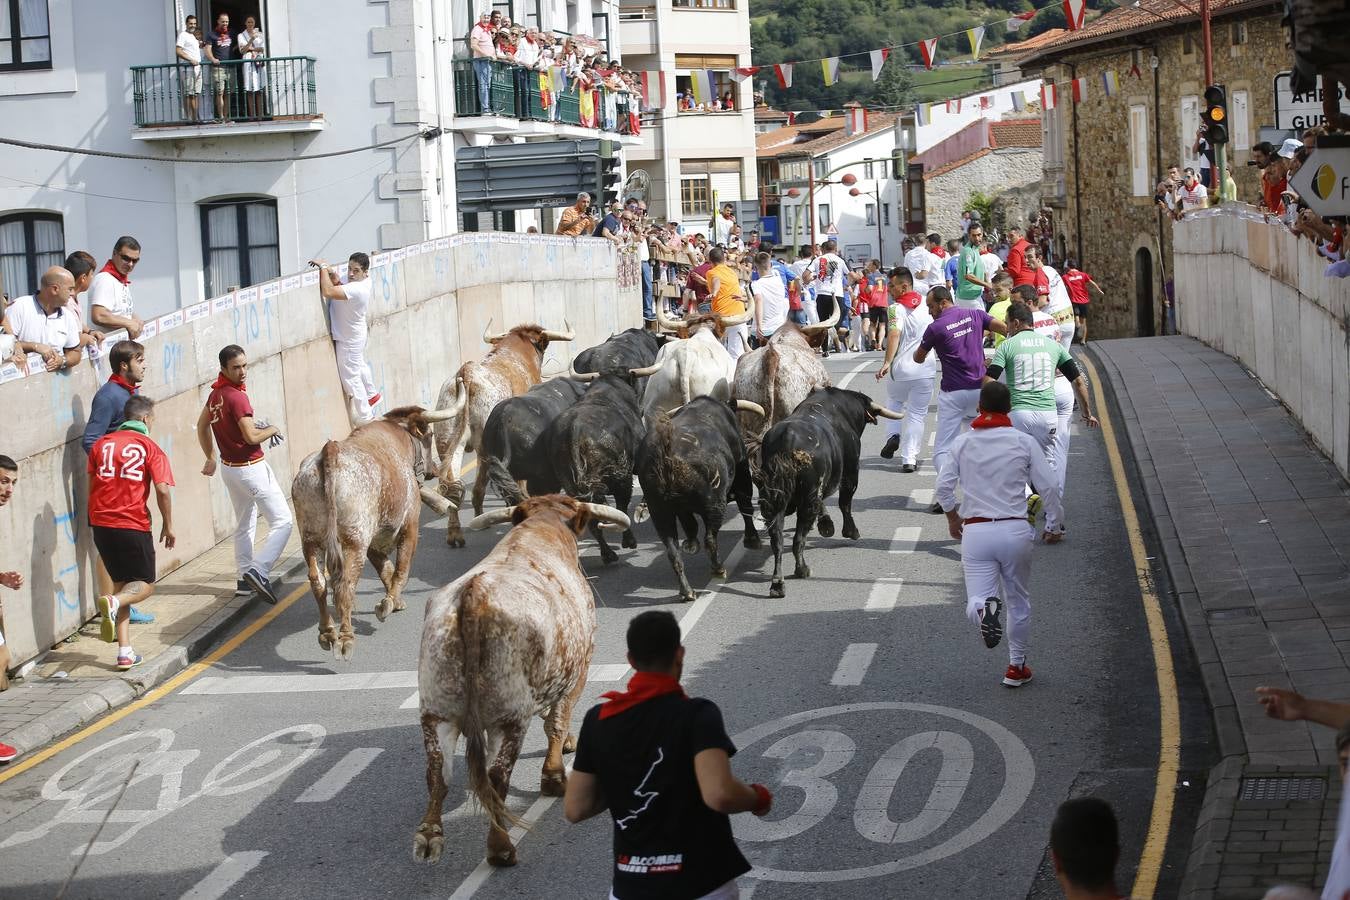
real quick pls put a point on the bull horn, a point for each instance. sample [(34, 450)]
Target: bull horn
[(490, 519), (665, 321), (825, 325), (573, 374), (885, 413), (647, 370), (603, 513), (492, 338), (568, 335), (733, 321), (438, 504), (454, 409), (748, 406)]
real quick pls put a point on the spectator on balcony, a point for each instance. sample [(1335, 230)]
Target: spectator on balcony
[(42, 323), (223, 77), (576, 221), (81, 266), (506, 45), (110, 305), (188, 49), (528, 49), (252, 49), (482, 51), (728, 102)]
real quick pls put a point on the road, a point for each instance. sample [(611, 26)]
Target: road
[(865, 700)]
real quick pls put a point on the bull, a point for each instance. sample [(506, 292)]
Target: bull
[(591, 447), (697, 365), (509, 639), (630, 349), (806, 458), (359, 498), (509, 369), (508, 452), (689, 465)]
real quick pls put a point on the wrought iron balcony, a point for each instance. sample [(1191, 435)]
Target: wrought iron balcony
[(179, 99)]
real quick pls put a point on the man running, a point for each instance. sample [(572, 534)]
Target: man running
[(830, 275), (970, 281), (957, 335), (348, 303), (1078, 282), (122, 465), (228, 415), (1050, 286), (910, 385), (660, 763), (993, 462)]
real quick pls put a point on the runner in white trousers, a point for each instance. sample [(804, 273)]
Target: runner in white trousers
[(348, 303), (909, 385), (992, 462)]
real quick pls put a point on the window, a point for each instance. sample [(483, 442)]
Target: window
[(703, 4), (25, 35), (886, 214), (1187, 44), (1139, 185), (239, 243), (871, 213), (821, 166), (1239, 122), (703, 78), (824, 215), (868, 172), (702, 179), (521, 12), (1239, 33), (599, 29), (794, 171), (30, 243), (1189, 124)]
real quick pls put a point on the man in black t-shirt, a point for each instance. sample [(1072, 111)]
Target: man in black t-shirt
[(660, 763)]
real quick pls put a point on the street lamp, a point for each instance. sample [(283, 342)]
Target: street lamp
[(875, 193)]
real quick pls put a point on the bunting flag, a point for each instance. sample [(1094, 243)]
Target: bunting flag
[(928, 49), (1049, 96), (1110, 83), (701, 82), (1073, 13), (975, 36), (1134, 70), (783, 71), (921, 114), (1019, 20), (829, 67), (878, 60), (1019, 101), (954, 105), (792, 118), (986, 102), (1079, 90), (739, 75), (653, 90)]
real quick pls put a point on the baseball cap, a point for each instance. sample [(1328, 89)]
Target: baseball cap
[(1290, 147)]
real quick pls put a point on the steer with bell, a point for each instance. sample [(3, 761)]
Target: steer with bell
[(806, 458)]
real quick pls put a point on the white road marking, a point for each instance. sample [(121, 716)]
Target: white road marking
[(603, 672), (847, 379), (905, 539), (230, 872), (921, 496), (885, 593), (335, 779), (853, 664)]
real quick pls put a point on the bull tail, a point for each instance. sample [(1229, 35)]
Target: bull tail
[(669, 470), (471, 724), (328, 458), (448, 431), (584, 482), (780, 477), (498, 468)]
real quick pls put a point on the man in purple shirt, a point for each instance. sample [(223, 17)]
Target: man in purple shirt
[(957, 334)]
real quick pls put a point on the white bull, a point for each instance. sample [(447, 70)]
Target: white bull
[(699, 365)]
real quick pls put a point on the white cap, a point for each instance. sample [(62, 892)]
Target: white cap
[(1290, 147)]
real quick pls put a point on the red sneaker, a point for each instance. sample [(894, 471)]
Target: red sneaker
[(1016, 676), (7, 753), (374, 399)]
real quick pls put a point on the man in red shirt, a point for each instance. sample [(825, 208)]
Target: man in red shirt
[(1078, 282), (122, 466), (228, 415), (1016, 261)]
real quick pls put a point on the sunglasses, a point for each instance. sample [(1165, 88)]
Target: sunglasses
[(129, 260)]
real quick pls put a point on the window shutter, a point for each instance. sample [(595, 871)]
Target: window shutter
[(1139, 150)]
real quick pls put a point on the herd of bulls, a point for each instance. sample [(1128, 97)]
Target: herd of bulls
[(512, 637)]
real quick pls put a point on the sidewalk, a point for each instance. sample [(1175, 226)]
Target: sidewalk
[(76, 682), (1254, 525)]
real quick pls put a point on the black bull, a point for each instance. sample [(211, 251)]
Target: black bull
[(509, 450), (806, 458), (635, 348), (689, 464)]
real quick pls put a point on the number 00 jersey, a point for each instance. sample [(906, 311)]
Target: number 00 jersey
[(122, 466), (1029, 361)]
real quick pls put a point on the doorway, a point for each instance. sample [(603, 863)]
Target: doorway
[(1143, 293)]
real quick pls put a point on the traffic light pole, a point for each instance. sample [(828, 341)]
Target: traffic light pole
[(1216, 175)]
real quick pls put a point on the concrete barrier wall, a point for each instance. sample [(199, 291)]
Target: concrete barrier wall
[(431, 304), (1259, 294)]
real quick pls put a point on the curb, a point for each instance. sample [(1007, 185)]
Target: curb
[(119, 690)]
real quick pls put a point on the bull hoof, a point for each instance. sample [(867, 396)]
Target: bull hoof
[(689, 546), (428, 843), (628, 541), (503, 858), (719, 572), (553, 785), (689, 597), (608, 557), (570, 743), (802, 571), (400, 606), (752, 541), (345, 646), (850, 531), (383, 609), (776, 589), (326, 638), (454, 537), (825, 525)]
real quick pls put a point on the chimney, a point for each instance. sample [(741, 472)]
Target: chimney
[(855, 118)]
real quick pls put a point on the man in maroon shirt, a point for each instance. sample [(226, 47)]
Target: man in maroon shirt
[(1016, 262), (228, 416)]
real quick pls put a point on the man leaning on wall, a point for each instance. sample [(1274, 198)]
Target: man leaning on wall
[(9, 477)]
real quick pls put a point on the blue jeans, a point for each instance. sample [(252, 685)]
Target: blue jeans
[(482, 73), (648, 308)]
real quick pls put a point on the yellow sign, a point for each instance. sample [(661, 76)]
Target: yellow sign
[(1324, 181)]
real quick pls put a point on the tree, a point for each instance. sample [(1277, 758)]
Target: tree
[(894, 88)]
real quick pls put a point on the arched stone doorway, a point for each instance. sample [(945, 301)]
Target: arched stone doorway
[(1144, 293)]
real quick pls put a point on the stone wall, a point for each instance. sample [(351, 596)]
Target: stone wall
[(1259, 294), (946, 194), (1115, 224), (431, 303)]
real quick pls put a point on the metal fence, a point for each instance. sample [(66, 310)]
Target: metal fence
[(514, 92), (235, 91)]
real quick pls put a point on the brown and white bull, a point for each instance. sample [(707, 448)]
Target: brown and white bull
[(359, 499), (777, 377), (697, 365), (510, 369), (508, 640)]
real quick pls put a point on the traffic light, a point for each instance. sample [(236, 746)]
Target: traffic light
[(1216, 114), (609, 174)]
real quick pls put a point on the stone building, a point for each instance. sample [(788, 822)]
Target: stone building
[(1105, 155), (997, 159)]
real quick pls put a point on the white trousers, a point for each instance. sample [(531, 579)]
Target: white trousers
[(255, 489), (357, 381), (1042, 425), (735, 339), (996, 559), (1064, 404), (1066, 330), (913, 396), (956, 410), (809, 304)]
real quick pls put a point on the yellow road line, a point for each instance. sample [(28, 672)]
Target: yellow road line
[(192, 671), (1169, 716)]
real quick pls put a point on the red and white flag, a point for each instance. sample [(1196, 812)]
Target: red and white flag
[(878, 60), (739, 75), (792, 118), (1049, 96), (1073, 13), (986, 102), (783, 71), (653, 90), (1079, 90), (928, 49), (954, 106), (1020, 19)]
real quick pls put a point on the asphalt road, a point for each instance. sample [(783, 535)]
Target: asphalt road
[(901, 765)]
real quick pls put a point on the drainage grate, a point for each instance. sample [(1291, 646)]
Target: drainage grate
[(1227, 615), (1275, 789)]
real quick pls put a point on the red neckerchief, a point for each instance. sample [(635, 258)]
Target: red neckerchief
[(118, 379), (642, 686), (223, 382), (112, 270), (992, 420)]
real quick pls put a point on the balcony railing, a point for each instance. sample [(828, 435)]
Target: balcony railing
[(514, 92), (279, 87), (703, 4)]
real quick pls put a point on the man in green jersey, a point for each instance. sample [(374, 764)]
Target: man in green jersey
[(970, 275)]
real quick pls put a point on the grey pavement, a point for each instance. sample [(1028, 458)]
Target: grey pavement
[(1254, 526), (283, 773)]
